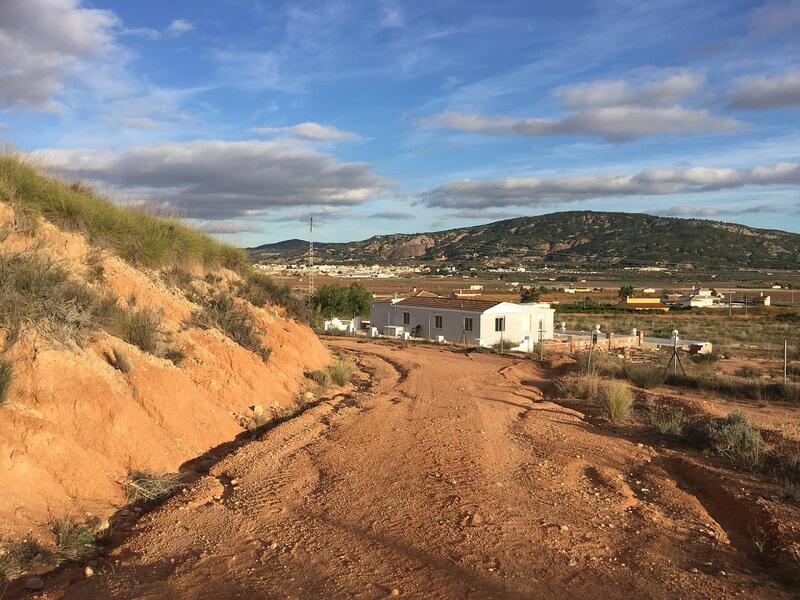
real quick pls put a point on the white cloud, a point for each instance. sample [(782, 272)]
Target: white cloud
[(532, 191), (175, 29), (214, 179), (44, 44), (227, 227), (612, 123), (309, 131), (773, 18), (179, 26), (666, 91), (709, 211), (761, 93)]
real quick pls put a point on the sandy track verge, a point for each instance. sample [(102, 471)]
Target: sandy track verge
[(456, 477)]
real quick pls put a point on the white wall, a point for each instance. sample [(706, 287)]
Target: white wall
[(385, 313), (522, 320)]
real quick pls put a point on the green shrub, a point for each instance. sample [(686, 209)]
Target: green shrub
[(345, 301), (616, 400), (74, 541), (735, 438), (136, 236), (340, 371), (667, 419), (151, 486), (6, 375), (645, 376), (235, 321)]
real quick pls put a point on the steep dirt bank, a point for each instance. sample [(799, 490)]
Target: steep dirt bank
[(75, 426), (459, 476)]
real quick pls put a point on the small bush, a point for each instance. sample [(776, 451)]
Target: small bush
[(37, 292), (616, 400), (583, 387), (235, 321), (175, 355), (321, 377), (119, 360), (748, 371), (74, 541), (260, 289), (340, 371), (151, 486), (141, 328), (6, 375), (645, 376), (735, 438), (667, 420), (791, 392), (18, 556), (177, 277)]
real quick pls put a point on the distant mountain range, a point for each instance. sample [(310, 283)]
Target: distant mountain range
[(575, 237)]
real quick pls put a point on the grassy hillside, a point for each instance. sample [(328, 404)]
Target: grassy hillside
[(138, 237), (142, 239), (585, 237)]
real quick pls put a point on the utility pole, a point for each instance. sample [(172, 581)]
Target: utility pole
[(730, 300), (311, 267)]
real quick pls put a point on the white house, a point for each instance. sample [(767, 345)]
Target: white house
[(699, 299), (479, 322)]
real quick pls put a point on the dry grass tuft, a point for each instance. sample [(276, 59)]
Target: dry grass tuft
[(340, 371), (235, 321), (617, 400), (151, 486), (19, 556), (74, 541), (119, 360), (6, 376)]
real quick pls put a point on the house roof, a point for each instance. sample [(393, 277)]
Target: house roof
[(449, 303), (644, 305)]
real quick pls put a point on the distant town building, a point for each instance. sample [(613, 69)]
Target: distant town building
[(701, 298), (643, 303)]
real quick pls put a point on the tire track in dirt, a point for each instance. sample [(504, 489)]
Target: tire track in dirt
[(448, 476)]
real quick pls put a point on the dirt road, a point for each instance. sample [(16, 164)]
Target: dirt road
[(453, 477)]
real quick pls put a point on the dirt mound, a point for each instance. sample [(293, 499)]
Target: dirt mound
[(74, 425)]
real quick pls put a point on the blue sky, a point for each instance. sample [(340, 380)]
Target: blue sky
[(247, 117)]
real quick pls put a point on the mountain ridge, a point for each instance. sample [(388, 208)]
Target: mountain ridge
[(572, 237)]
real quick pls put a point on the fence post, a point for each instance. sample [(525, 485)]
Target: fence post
[(610, 338), (785, 361)]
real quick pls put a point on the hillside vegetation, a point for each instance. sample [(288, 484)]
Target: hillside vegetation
[(578, 237), (129, 344)]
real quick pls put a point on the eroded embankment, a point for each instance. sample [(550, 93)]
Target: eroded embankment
[(75, 423)]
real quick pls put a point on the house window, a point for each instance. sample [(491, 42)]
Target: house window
[(467, 323), (500, 324), (406, 318), (437, 322)]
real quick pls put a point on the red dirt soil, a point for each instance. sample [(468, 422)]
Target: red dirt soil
[(75, 426), (454, 476)]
